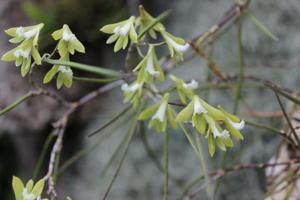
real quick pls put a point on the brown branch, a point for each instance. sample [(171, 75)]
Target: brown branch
[(60, 126)]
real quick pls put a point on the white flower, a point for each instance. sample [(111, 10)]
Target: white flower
[(66, 36), (192, 85), (31, 33), (132, 88), (150, 67), (20, 53), (239, 126), (224, 134), (123, 30), (65, 70), (198, 108), (20, 31), (178, 47), (161, 112), (26, 195)]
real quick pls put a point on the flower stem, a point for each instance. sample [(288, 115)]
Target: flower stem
[(166, 165), (85, 67)]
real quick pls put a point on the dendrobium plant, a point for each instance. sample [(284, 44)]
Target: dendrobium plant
[(213, 123)]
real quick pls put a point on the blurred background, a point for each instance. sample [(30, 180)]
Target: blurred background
[(24, 130)]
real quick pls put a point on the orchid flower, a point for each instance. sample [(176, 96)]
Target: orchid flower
[(184, 89), (177, 46), (132, 92), (161, 113), (121, 33), (149, 67), (210, 120), (29, 192), (68, 42), (23, 54)]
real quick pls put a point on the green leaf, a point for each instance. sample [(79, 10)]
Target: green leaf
[(57, 34), (11, 31), (119, 43), (36, 56), (79, 46), (50, 74), (29, 185), (211, 145), (25, 66), (68, 81), (112, 38), (9, 56), (38, 188), (171, 116), (186, 113), (59, 80), (18, 186), (132, 34), (234, 132), (148, 112), (260, 26)]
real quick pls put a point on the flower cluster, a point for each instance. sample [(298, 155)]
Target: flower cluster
[(218, 126), (67, 44), (27, 38)]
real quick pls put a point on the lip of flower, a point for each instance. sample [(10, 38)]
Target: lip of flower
[(20, 31), (161, 112), (224, 134), (68, 36), (20, 53), (31, 33), (198, 108), (132, 88), (65, 70), (150, 68), (237, 125), (27, 196), (192, 85), (122, 30), (178, 47)]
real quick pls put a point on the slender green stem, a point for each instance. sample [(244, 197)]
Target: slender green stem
[(239, 83), (166, 165), (42, 156), (209, 190), (115, 153), (189, 186), (154, 158), (111, 121), (16, 103), (198, 150), (95, 80), (262, 126), (123, 155), (153, 23), (85, 67), (260, 26)]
